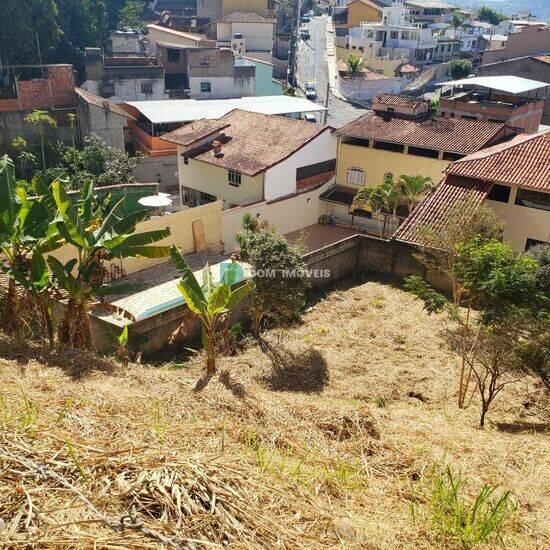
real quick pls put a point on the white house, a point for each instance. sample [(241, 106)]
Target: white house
[(246, 157), (245, 32)]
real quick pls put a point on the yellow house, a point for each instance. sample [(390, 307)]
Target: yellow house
[(246, 157), (265, 8), (400, 137), (364, 10), (512, 178)]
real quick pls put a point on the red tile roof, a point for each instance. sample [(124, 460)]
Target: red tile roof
[(399, 100), (433, 214), (524, 162), (191, 133), (255, 142), (244, 17), (455, 135), (102, 103)]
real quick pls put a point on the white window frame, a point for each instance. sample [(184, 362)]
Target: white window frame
[(356, 176), (234, 178)]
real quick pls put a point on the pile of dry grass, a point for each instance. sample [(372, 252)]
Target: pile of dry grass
[(315, 440)]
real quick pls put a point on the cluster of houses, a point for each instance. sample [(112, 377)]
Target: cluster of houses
[(404, 42)]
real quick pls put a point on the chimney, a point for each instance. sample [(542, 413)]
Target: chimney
[(217, 147)]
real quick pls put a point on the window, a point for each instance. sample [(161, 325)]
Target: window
[(234, 178), (421, 152), (356, 176), (499, 193), (388, 146), (173, 56), (185, 158), (533, 242), (146, 87), (206, 87), (452, 156), (394, 35), (533, 199)]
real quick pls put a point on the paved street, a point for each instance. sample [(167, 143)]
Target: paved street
[(312, 65)]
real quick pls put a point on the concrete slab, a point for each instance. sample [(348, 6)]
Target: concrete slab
[(318, 235)]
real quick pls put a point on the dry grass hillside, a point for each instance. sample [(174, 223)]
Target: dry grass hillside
[(322, 439)]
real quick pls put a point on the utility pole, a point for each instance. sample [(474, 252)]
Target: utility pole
[(327, 94), (292, 70)]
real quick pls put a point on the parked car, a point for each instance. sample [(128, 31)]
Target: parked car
[(308, 117), (306, 18), (311, 91), (304, 33)]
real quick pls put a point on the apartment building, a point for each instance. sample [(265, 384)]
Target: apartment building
[(512, 178)]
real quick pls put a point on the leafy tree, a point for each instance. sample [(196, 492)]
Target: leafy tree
[(457, 20), (26, 158), (500, 284), (489, 15), (131, 14), (281, 275), (414, 189), (460, 68), (211, 302), (354, 63), (97, 236), (26, 234), (28, 28), (41, 119)]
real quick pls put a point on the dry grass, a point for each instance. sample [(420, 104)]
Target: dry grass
[(317, 440)]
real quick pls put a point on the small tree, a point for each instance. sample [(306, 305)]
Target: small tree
[(130, 15), (281, 275), (41, 120), (490, 15), (211, 302), (414, 189), (97, 236), (354, 63), (499, 283), (460, 68), (457, 20)]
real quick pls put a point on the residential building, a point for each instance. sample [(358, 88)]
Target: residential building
[(264, 83), (394, 37), (512, 178), (429, 11), (165, 35), (102, 117), (517, 101), (24, 88), (358, 11), (219, 74), (400, 137), (529, 40), (246, 157), (125, 71), (264, 8), (471, 35), (153, 119), (446, 48), (366, 84), (530, 67), (244, 32)]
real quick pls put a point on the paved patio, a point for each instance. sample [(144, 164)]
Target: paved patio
[(318, 235)]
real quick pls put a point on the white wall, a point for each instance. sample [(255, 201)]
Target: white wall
[(281, 179), (358, 88), (130, 89), (222, 87), (285, 216)]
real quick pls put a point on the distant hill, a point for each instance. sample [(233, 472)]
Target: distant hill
[(540, 8)]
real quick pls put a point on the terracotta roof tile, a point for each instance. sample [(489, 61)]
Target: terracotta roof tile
[(244, 17), (455, 135), (255, 142), (524, 161), (433, 213), (399, 100), (101, 102), (190, 133)]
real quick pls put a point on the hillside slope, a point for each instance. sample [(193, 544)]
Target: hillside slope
[(322, 439)]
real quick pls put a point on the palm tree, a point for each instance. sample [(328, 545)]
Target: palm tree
[(354, 63), (41, 119), (457, 21), (414, 189), (97, 236), (210, 302), (26, 234)]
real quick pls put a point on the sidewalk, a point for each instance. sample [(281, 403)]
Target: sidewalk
[(332, 60)]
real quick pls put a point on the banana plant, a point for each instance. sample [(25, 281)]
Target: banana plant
[(211, 302), (25, 236), (97, 235)]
